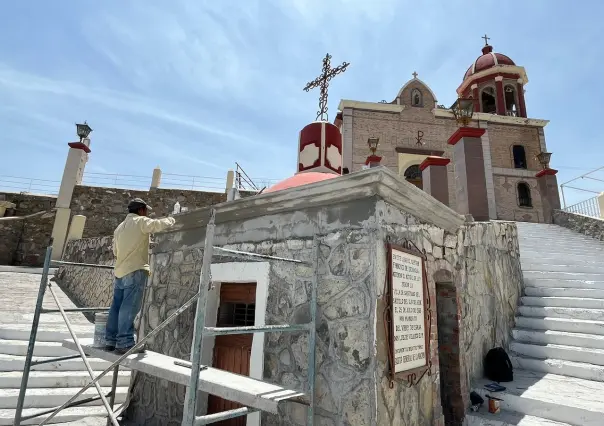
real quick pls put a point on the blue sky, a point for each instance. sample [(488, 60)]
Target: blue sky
[(194, 86)]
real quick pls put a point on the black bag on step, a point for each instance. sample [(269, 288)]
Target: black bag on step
[(497, 366)]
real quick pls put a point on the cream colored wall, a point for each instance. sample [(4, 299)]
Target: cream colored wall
[(407, 160)]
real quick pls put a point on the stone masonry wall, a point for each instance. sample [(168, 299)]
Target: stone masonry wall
[(504, 136), (506, 196), (85, 286), (482, 261), (24, 242), (105, 208), (590, 226)]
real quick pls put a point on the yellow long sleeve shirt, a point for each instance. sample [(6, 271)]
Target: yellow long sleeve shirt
[(131, 242)]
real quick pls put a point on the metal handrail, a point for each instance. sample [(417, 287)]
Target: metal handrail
[(583, 176)]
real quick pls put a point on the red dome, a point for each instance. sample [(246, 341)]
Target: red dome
[(487, 60), (300, 179)]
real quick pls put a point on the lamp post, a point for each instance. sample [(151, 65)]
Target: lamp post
[(373, 160), (83, 130), (463, 110), (544, 159)]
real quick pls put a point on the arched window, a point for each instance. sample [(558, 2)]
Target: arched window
[(487, 97), (524, 195), (414, 175), (510, 101), (519, 157), (416, 98)]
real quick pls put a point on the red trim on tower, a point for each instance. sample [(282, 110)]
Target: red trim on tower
[(476, 99), (465, 132), (79, 145), (500, 100), (433, 161), (373, 159), (521, 104), (547, 171)]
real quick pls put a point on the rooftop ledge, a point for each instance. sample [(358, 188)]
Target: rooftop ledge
[(443, 113), (379, 181)]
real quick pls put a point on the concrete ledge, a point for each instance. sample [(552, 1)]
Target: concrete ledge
[(590, 226)]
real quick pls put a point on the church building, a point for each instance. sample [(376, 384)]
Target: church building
[(510, 174)]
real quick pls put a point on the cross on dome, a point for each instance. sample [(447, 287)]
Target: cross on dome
[(486, 40)]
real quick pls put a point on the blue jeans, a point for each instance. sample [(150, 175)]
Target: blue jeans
[(127, 299)]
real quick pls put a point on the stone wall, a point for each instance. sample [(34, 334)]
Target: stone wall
[(86, 286), (105, 208), (506, 196), (590, 226), (352, 383), (24, 242)]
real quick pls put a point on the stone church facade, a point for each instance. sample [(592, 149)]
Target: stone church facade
[(414, 126)]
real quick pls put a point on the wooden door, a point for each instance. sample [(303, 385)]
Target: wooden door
[(232, 353)]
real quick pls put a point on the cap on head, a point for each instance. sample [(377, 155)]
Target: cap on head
[(138, 203)]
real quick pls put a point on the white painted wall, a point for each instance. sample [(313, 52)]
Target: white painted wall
[(243, 272)]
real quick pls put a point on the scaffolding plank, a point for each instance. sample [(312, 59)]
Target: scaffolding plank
[(233, 387)]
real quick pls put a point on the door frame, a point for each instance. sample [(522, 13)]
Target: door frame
[(240, 272)]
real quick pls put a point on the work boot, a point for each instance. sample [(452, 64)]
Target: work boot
[(122, 351), (109, 348)]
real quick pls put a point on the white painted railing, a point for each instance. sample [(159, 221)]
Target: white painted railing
[(591, 207)]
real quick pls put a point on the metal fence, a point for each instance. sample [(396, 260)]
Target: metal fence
[(589, 207), (10, 183)]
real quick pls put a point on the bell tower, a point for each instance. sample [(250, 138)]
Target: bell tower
[(495, 83)]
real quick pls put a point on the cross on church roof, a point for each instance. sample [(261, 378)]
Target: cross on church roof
[(323, 82), (414, 74), (486, 40)]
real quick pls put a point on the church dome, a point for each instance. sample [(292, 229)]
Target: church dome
[(300, 179), (487, 60)]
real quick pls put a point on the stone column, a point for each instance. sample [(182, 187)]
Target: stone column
[(500, 95), (76, 230), (476, 97), (156, 178), (435, 179), (470, 178), (72, 176), (548, 187), (521, 104)]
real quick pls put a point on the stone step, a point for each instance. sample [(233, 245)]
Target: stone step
[(593, 341), (561, 367), (19, 347), (540, 246), (567, 266), (563, 352), (561, 324), (564, 276), (559, 312), (52, 397), (507, 418), (16, 363), (554, 282), (590, 293), (58, 379), (558, 398), (67, 415), (567, 302), (46, 332), (537, 257)]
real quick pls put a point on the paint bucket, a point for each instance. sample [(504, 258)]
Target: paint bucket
[(494, 404), (100, 324)]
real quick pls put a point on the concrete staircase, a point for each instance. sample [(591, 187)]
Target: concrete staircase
[(558, 343), (50, 384)]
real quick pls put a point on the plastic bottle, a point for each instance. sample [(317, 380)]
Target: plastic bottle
[(176, 208)]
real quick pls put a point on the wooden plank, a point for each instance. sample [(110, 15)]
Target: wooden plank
[(233, 387)]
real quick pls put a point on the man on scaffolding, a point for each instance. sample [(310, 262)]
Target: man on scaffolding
[(131, 251)]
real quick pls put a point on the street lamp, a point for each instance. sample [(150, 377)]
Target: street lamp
[(373, 144), (463, 109), (544, 158), (83, 130)]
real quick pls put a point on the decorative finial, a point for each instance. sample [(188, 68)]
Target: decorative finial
[(323, 82), (486, 40), (414, 74)]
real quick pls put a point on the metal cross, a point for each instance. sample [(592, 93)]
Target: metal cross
[(414, 74), (323, 82), (486, 40)]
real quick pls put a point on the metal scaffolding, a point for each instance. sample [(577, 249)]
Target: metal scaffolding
[(243, 391)]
